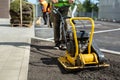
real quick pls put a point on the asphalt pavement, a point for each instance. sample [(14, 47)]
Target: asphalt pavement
[(106, 35), (43, 57)]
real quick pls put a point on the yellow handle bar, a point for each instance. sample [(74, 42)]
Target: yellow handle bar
[(75, 36)]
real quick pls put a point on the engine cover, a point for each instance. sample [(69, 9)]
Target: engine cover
[(82, 38)]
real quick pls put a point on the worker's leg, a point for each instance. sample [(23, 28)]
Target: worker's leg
[(50, 22), (56, 25), (64, 12), (45, 17)]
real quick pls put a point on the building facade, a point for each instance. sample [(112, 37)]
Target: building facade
[(109, 10), (4, 8)]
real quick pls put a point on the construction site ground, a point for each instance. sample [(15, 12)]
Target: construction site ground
[(43, 64)]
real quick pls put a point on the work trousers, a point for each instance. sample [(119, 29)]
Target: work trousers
[(56, 24), (45, 17)]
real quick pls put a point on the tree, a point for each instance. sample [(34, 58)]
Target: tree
[(87, 5), (25, 0), (95, 7), (80, 7)]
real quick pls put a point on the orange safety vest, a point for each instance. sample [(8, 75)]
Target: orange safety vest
[(44, 5), (49, 8)]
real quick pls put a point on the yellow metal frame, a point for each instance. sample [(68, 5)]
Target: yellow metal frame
[(75, 36), (72, 59)]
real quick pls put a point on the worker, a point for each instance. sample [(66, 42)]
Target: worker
[(44, 5), (63, 7)]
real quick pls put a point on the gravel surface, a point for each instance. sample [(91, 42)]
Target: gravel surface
[(44, 65)]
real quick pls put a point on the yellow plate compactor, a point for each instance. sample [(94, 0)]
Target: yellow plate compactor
[(81, 52)]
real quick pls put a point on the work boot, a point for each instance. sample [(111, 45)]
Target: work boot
[(45, 23), (57, 45), (62, 47)]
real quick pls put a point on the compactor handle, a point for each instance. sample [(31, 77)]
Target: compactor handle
[(74, 32)]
